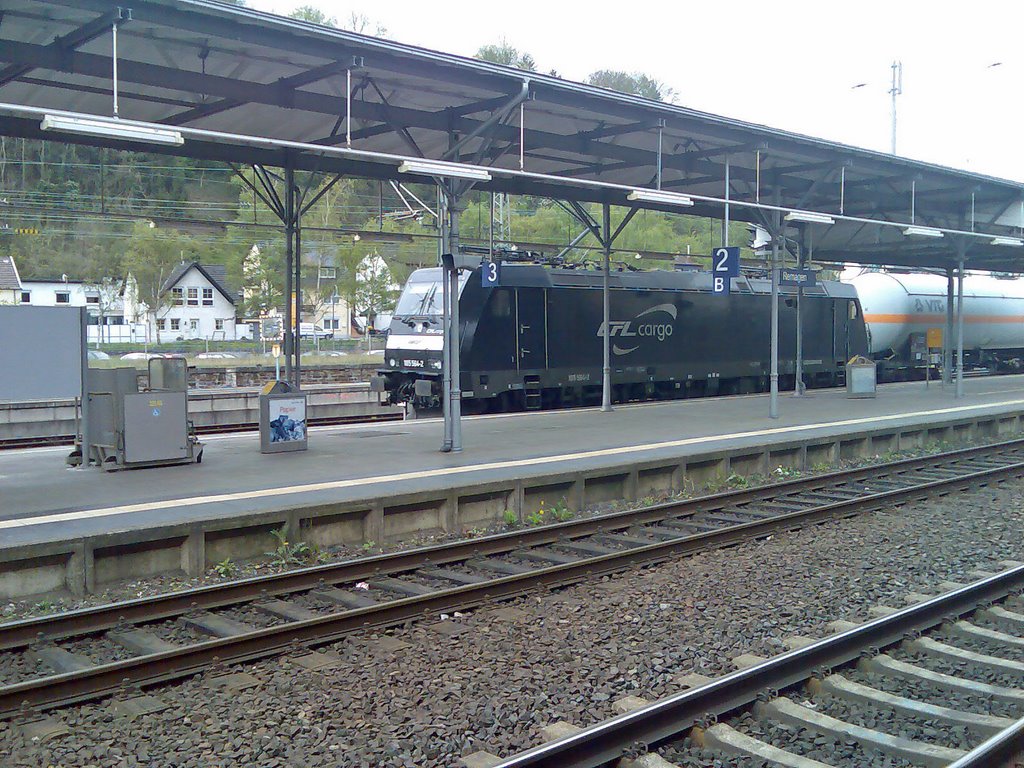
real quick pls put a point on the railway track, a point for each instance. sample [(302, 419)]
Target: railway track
[(12, 443), (90, 653), (944, 677)]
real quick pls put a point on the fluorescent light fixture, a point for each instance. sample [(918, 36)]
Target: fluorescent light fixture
[(112, 129), (810, 217), (657, 196), (922, 231), (1014, 241), (451, 170)]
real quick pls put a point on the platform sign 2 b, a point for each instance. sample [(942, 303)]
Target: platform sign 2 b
[(725, 264)]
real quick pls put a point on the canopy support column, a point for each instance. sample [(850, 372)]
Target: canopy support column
[(773, 402), (606, 368), (446, 314), (606, 237), (798, 387), (451, 395), (455, 410), (960, 327), (297, 289), (289, 257), (947, 336)]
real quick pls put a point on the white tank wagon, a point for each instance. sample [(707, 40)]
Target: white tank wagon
[(899, 308)]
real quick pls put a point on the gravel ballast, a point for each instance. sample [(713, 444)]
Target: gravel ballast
[(491, 679)]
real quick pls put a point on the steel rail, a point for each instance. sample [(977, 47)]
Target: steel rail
[(102, 680), (86, 620), (999, 749), (607, 741), (95, 619)]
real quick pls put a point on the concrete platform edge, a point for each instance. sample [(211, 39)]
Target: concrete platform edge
[(81, 565)]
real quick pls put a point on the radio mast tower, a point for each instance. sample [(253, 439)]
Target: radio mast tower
[(896, 90), (502, 219)]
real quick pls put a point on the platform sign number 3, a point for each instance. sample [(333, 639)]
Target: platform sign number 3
[(725, 264), (490, 273)]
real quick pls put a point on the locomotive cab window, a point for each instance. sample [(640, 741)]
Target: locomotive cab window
[(422, 296), (500, 305)]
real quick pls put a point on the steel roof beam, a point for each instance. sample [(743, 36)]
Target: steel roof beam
[(606, 131), (491, 122), (731, 149), (274, 33), (105, 91), (271, 94), (400, 127), (482, 105), (287, 36), (286, 83), (69, 42), (202, 149)]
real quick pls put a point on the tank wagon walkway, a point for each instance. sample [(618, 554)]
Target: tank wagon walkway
[(42, 500)]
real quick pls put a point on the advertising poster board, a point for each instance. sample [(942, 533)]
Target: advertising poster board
[(282, 423)]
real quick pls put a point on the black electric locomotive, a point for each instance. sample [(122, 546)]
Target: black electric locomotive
[(535, 341)]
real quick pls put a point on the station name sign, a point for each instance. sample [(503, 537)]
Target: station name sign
[(803, 278)]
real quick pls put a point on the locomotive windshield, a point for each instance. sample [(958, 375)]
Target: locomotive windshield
[(422, 295)]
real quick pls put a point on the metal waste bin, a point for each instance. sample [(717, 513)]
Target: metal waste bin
[(860, 377), (282, 419)]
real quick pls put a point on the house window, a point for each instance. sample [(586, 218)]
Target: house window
[(92, 299), (26, 297), (193, 297), (193, 324), (161, 324), (63, 297), (219, 324), (177, 296), (175, 324), (207, 297)]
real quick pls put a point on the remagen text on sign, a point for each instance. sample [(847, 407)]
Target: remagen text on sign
[(796, 277)]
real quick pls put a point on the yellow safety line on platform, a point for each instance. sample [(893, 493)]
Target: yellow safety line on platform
[(151, 506)]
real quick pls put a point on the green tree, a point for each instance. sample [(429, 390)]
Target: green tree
[(313, 15), (361, 24), (150, 259), (635, 83), (507, 54), (374, 288), (262, 279)]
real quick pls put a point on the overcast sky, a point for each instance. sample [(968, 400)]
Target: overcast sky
[(787, 64)]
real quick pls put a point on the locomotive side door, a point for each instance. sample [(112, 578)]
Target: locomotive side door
[(531, 328), (841, 311)]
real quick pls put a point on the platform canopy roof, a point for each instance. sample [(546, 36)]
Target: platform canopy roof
[(250, 87)]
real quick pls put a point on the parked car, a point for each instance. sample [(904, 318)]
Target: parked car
[(314, 331), (140, 355), (215, 356), (95, 354)]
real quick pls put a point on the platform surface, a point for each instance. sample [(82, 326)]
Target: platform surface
[(41, 499)]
